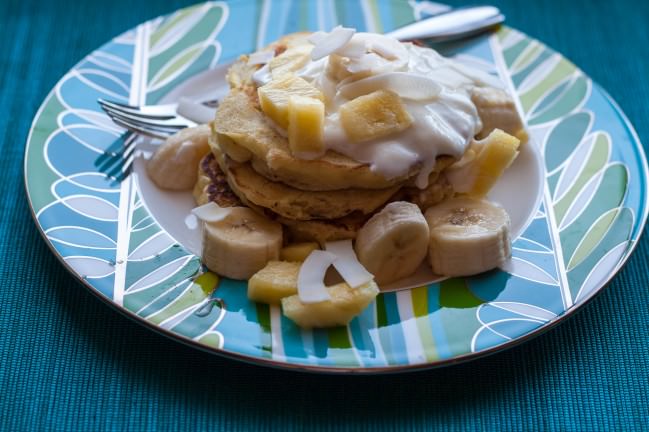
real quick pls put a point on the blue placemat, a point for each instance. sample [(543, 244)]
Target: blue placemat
[(68, 362)]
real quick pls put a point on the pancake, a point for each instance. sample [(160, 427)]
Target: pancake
[(213, 186), (328, 198), (323, 231), (248, 134), (295, 203), (245, 133)]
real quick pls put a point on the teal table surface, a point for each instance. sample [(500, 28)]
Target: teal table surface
[(68, 362)]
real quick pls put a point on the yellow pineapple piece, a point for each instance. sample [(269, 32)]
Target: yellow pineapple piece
[(274, 96), (337, 67), (522, 136), (306, 126), (496, 152), (297, 252), (291, 60), (374, 115), (344, 305), (274, 282)]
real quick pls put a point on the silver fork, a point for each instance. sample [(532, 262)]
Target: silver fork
[(161, 121), (155, 121), (116, 162)]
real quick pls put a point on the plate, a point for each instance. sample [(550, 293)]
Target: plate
[(577, 196)]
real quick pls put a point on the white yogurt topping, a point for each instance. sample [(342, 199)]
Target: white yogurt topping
[(445, 118)]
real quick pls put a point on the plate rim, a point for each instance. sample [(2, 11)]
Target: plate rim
[(357, 370)]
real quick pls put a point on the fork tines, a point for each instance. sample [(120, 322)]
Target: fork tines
[(145, 121)]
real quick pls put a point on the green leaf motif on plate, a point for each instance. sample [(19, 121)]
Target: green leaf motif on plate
[(561, 103), (607, 246), (199, 27), (197, 292), (455, 293), (562, 70), (579, 178), (609, 195), (168, 26), (592, 238), (512, 53), (587, 186), (564, 138), (184, 45), (175, 65), (525, 59), (212, 339)]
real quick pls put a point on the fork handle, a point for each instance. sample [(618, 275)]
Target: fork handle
[(454, 24)]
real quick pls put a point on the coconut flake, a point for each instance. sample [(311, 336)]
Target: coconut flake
[(355, 48), (387, 48), (332, 41), (407, 85), (347, 263), (316, 37), (262, 76), (211, 212), (310, 279), (260, 57), (196, 112), (369, 62), (480, 77)]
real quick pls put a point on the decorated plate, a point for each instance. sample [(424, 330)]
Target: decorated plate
[(577, 197)]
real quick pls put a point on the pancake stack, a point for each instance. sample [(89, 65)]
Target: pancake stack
[(323, 199)]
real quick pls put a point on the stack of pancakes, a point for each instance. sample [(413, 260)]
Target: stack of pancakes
[(324, 199)]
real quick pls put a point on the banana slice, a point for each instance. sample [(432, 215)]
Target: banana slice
[(174, 166), (467, 236), (393, 243), (497, 110), (240, 244)]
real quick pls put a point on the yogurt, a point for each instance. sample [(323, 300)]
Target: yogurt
[(445, 120)]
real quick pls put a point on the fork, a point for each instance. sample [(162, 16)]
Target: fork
[(159, 121), (155, 121), (116, 162)]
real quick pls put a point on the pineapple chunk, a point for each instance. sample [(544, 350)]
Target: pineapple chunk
[(374, 115), (522, 136), (291, 60), (297, 252), (337, 67), (274, 282), (345, 304), (274, 96), (306, 126), (497, 152)]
